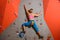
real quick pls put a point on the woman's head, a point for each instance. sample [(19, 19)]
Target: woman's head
[(30, 10)]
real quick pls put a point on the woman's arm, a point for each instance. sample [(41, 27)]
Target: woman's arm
[(26, 9), (26, 12), (36, 14)]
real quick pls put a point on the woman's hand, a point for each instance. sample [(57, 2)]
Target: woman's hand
[(37, 14), (24, 6)]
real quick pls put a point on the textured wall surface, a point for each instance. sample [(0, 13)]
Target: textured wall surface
[(12, 32), (8, 13), (52, 17)]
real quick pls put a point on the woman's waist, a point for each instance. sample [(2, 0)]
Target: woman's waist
[(31, 19)]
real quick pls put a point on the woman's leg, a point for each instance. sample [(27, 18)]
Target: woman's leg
[(27, 24), (23, 29), (35, 27)]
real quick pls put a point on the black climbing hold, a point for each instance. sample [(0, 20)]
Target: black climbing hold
[(40, 23), (36, 20), (14, 23), (8, 35), (29, 3)]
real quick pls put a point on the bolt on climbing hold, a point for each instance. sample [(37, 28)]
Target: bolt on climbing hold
[(40, 4), (36, 20), (14, 23), (17, 32), (25, 38), (41, 23), (29, 3), (25, 20), (8, 35)]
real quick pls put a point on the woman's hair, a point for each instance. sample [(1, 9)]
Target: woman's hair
[(30, 10)]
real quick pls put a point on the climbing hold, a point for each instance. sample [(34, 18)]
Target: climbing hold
[(25, 38), (29, 3), (8, 35), (34, 38), (40, 23), (17, 32), (40, 4), (36, 20), (25, 20), (14, 23)]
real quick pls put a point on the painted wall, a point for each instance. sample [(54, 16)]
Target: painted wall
[(52, 17), (8, 13)]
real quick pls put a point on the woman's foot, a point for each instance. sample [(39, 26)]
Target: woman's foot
[(21, 34), (40, 37)]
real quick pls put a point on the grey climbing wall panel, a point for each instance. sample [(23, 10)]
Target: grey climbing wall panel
[(11, 33)]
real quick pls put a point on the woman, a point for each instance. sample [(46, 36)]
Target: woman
[(31, 23)]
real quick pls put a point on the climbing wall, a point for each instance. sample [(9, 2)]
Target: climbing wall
[(8, 13), (52, 17), (12, 32)]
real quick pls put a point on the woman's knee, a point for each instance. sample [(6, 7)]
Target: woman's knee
[(23, 24)]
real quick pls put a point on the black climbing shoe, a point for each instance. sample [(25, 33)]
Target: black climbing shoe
[(40, 37), (21, 34)]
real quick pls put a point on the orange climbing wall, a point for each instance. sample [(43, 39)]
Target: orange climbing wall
[(8, 13), (45, 2), (52, 16)]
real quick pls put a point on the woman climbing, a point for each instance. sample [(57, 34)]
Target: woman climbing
[(31, 23)]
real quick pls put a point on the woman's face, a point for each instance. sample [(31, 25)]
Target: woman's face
[(30, 11)]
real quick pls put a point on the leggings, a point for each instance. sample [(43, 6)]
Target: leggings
[(28, 24)]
